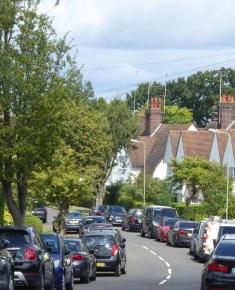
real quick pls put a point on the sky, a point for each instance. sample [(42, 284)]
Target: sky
[(121, 43)]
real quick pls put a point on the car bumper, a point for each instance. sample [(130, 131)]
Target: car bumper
[(220, 283), (135, 227), (79, 269), (26, 279), (106, 265), (184, 241), (72, 227)]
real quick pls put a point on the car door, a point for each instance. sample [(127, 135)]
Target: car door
[(199, 239), (121, 247), (89, 259)]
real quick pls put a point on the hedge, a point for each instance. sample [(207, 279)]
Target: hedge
[(192, 212), (35, 222)]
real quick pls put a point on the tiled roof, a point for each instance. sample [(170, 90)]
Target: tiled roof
[(222, 141), (174, 137), (197, 143)]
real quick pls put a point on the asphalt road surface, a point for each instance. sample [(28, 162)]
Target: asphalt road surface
[(151, 265)]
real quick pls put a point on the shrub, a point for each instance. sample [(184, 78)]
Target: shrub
[(7, 218), (35, 222), (192, 212)]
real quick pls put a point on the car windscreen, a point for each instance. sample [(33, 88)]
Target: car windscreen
[(73, 215), (188, 225), (117, 210), (51, 240), (96, 220), (164, 212), (227, 230), (16, 238), (74, 246), (93, 241), (226, 249), (169, 222)]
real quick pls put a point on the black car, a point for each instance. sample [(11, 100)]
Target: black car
[(32, 264), (63, 270), (132, 220), (84, 262), (219, 271), (109, 249), (40, 211), (115, 214), (151, 217), (87, 221), (6, 267)]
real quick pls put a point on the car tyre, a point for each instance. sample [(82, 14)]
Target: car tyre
[(124, 269), (201, 259), (142, 233), (123, 227), (86, 279), (94, 275), (117, 272)]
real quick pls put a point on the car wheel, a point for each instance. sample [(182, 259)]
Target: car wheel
[(51, 286), (200, 257), (142, 233), (128, 228), (69, 285), (86, 279), (117, 272), (123, 227), (124, 269)]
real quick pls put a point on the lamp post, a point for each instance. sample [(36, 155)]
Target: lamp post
[(138, 141), (227, 186)]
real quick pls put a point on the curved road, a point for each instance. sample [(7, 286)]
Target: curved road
[(151, 265)]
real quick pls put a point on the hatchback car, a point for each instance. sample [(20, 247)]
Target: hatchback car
[(6, 267), (32, 263), (115, 214), (88, 221), (109, 250), (40, 211), (132, 220), (219, 271), (181, 233), (84, 262), (63, 271)]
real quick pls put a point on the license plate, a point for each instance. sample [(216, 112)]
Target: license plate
[(100, 264)]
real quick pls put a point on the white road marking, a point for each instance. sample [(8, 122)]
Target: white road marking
[(161, 258), (162, 282), (152, 252), (146, 248), (168, 277), (169, 271), (168, 265)]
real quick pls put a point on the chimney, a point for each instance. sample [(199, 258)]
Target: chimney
[(227, 111), (154, 115)]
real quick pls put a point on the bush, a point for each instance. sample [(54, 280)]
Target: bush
[(192, 212), (7, 218), (35, 222)]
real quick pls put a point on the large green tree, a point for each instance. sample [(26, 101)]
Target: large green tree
[(176, 115)]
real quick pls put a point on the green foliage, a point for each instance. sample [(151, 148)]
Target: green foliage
[(192, 212), (176, 115), (7, 218), (35, 222), (131, 196)]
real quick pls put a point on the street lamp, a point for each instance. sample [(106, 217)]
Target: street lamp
[(138, 141), (227, 187)]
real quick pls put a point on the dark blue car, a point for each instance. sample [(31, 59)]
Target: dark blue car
[(62, 260)]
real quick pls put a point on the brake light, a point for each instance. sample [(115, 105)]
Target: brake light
[(114, 250), (77, 257), (30, 254), (181, 232), (133, 219), (216, 267)]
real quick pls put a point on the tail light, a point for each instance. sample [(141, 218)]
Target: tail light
[(133, 219), (216, 267), (114, 250), (181, 232), (77, 257), (30, 254)]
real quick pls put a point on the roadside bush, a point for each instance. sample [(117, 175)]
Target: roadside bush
[(192, 212), (7, 218), (35, 222)]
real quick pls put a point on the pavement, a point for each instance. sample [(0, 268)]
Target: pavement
[(151, 265)]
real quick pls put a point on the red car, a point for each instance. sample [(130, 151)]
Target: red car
[(164, 226)]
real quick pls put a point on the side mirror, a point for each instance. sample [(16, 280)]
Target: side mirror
[(4, 244)]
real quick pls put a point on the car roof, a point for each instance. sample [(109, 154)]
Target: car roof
[(15, 228), (94, 216), (72, 239), (100, 233), (227, 225), (159, 206)]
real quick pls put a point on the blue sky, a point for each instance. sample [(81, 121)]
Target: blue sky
[(122, 43)]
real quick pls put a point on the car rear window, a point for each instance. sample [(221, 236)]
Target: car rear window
[(74, 215), (117, 210), (227, 230), (93, 241), (74, 246), (165, 212), (16, 238), (96, 220), (226, 249), (53, 240), (185, 225)]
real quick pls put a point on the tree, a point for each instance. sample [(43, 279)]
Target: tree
[(176, 115), (34, 92), (200, 175)]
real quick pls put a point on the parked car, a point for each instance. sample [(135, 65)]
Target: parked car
[(181, 233), (32, 263), (87, 221), (40, 211), (63, 271), (193, 241), (109, 249), (206, 239), (226, 227), (115, 214), (219, 271), (84, 262), (72, 222), (151, 217), (99, 210), (6, 267), (100, 226), (165, 225), (132, 220)]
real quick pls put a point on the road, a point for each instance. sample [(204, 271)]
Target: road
[(151, 265)]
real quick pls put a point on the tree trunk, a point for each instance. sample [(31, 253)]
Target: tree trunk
[(11, 204), (22, 192)]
